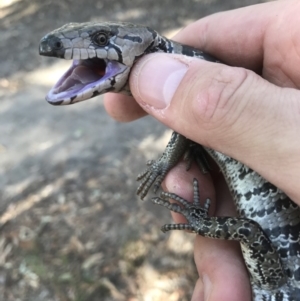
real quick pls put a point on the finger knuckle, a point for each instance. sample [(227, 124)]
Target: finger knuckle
[(222, 97)]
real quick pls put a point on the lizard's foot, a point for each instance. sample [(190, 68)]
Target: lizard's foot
[(195, 152), (191, 211), (155, 173), (158, 169), (178, 147), (261, 255)]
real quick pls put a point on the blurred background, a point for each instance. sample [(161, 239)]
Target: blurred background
[(71, 225)]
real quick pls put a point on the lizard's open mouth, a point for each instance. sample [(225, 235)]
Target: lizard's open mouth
[(83, 80)]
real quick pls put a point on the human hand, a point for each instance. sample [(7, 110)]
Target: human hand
[(233, 110)]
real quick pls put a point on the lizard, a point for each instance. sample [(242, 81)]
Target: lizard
[(268, 222)]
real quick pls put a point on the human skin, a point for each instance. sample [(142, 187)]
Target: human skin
[(250, 112)]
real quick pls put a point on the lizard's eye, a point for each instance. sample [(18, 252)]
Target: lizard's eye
[(101, 39), (58, 45)]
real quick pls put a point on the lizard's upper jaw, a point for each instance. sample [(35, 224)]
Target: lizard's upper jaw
[(85, 79)]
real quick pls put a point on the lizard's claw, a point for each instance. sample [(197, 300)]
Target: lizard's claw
[(178, 147), (153, 175)]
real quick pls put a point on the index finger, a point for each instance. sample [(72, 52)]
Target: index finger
[(122, 108), (238, 37)]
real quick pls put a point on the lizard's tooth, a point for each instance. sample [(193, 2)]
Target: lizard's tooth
[(84, 54), (76, 54), (68, 54), (91, 53)]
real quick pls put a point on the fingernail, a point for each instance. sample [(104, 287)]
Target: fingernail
[(157, 78)]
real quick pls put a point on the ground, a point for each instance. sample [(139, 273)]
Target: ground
[(72, 227)]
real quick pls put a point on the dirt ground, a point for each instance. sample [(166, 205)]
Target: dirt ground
[(72, 227)]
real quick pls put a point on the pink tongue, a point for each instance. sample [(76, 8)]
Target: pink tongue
[(79, 77)]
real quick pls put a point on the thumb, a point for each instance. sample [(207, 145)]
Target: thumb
[(229, 109)]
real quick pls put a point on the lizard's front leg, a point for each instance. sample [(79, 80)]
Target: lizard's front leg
[(178, 147)]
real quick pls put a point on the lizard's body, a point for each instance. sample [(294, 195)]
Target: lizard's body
[(268, 226)]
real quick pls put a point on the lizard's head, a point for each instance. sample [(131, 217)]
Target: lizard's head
[(102, 53)]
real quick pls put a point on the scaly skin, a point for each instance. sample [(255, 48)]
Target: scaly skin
[(268, 225)]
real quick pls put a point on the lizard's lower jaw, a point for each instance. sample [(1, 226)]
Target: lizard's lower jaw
[(83, 80)]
